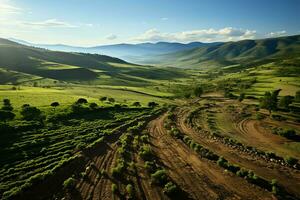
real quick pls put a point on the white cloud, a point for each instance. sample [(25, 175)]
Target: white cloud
[(111, 37), (164, 18), (203, 35), (277, 33), (48, 23), (7, 8)]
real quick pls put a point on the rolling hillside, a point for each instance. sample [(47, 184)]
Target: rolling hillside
[(131, 52), (73, 67), (231, 53)]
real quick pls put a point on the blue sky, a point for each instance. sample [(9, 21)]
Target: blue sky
[(93, 22)]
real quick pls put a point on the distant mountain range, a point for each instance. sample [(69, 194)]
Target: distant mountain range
[(129, 52), (243, 52), (80, 64)]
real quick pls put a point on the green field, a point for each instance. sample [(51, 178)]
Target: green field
[(43, 97)]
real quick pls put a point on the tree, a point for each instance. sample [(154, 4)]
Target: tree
[(7, 105), (103, 99), (187, 95), (25, 105), (81, 101), (266, 101), (111, 100), (136, 104), (6, 115), (297, 96), (54, 104), (31, 113), (274, 97), (269, 100), (241, 97), (198, 91), (286, 101), (152, 104), (93, 106)]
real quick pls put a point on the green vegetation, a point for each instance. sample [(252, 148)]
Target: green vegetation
[(38, 143), (159, 177), (57, 107), (114, 188), (129, 190), (269, 101), (291, 161), (287, 133), (69, 184), (285, 101), (6, 111), (31, 113), (170, 189), (234, 55), (198, 91)]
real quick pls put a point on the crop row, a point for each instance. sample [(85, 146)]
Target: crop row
[(249, 175), (21, 172)]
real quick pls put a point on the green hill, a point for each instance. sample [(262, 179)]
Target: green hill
[(242, 52), (74, 67)]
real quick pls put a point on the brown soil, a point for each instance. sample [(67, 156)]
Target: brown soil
[(198, 177)]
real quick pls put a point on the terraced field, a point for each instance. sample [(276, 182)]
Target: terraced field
[(32, 153), (202, 148)]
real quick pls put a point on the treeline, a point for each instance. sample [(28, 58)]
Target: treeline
[(81, 106)]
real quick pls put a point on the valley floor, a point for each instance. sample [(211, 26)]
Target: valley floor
[(196, 176)]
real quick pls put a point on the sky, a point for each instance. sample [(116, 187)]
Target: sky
[(96, 22)]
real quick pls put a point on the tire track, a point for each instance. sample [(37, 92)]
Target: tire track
[(200, 178), (289, 178)]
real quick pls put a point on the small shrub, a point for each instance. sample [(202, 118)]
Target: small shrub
[(150, 166), (259, 116), (114, 188), (136, 104), (242, 173), (119, 169), (145, 138), (152, 104), (279, 117), (159, 177), (222, 162), (129, 190), (145, 152), (274, 185), (290, 133), (290, 160), (103, 172), (103, 98), (69, 184), (170, 188)]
